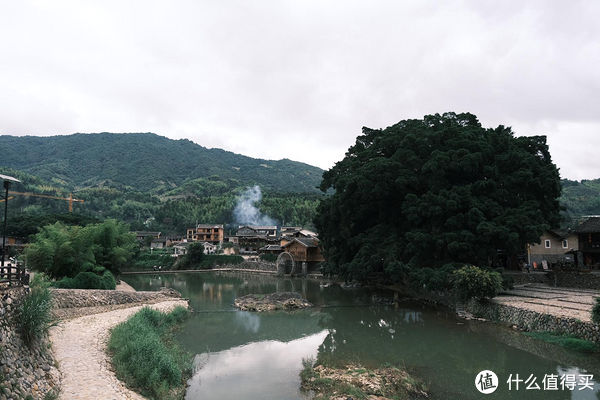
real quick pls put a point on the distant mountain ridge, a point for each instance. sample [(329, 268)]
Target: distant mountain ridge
[(147, 162)]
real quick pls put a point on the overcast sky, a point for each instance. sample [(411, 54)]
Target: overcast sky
[(298, 79)]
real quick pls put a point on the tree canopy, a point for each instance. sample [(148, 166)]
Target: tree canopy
[(425, 193), (63, 251)]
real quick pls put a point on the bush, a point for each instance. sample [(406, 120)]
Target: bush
[(472, 282), (209, 261), (568, 341), (145, 357), (438, 279), (269, 257), (596, 311), (33, 315), (88, 280), (147, 260)]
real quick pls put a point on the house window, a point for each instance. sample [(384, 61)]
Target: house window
[(565, 244), (547, 244)]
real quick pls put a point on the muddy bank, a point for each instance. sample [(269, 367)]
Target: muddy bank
[(354, 381), (271, 302)]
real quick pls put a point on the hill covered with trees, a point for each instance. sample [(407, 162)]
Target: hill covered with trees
[(148, 181), (149, 163)]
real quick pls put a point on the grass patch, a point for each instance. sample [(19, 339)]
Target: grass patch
[(34, 314), (568, 341), (145, 356)]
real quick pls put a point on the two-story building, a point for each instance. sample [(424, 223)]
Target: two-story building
[(588, 235), (206, 233), (555, 246)]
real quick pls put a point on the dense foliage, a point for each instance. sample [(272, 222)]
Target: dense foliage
[(471, 282), (425, 193), (147, 162), (148, 259), (88, 280), (145, 356), (64, 251), (169, 210)]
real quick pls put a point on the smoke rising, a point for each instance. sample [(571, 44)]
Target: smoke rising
[(245, 213)]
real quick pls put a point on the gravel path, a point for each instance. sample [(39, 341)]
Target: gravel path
[(80, 348)]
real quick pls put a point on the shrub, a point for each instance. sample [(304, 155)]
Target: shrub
[(88, 280), (147, 260), (472, 282), (596, 311), (33, 315), (268, 257), (144, 355), (438, 279)]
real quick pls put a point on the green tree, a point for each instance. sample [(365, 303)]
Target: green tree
[(60, 250), (195, 253), (425, 193)]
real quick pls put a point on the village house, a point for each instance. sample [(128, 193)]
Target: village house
[(555, 246), (142, 235), (180, 249), (588, 236), (305, 252), (206, 233), (210, 248), (251, 238), (270, 232)]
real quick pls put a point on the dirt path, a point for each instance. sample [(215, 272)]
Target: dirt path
[(80, 348)]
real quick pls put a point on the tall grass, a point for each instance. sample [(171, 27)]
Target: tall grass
[(145, 356), (34, 313), (596, 311), (568, 341)]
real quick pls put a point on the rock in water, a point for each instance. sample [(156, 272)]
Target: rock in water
[(270, 302)]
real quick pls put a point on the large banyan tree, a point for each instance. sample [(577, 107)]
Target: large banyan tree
[(425, 193)]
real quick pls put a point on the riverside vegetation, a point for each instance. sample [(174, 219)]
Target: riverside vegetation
[(357, 382), (146, 357)]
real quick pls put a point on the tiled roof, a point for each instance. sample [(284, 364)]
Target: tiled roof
[(307, 242), (590, 225)]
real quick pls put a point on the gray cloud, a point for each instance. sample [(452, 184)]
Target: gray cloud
[(298, 79)]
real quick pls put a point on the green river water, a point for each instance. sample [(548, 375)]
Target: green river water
[(243, 355)]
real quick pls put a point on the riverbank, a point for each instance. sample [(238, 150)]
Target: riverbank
[(355, 381), (228, 269), (80, 347), (542, 308)]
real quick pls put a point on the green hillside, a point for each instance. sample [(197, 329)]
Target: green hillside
[(148, 162), (580, 199)]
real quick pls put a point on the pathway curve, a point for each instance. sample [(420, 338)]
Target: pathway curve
[(79, 347)]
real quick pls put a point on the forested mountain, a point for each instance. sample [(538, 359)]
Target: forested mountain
[(147, 162), (148, 181), (579, 199)]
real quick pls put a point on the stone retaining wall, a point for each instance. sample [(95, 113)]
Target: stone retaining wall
[(580, 280), (534, 321), (24, 371)]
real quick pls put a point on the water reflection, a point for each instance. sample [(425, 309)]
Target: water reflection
[(262, 370), (445, 352)]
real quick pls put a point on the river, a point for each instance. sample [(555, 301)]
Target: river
[(243, 355)]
